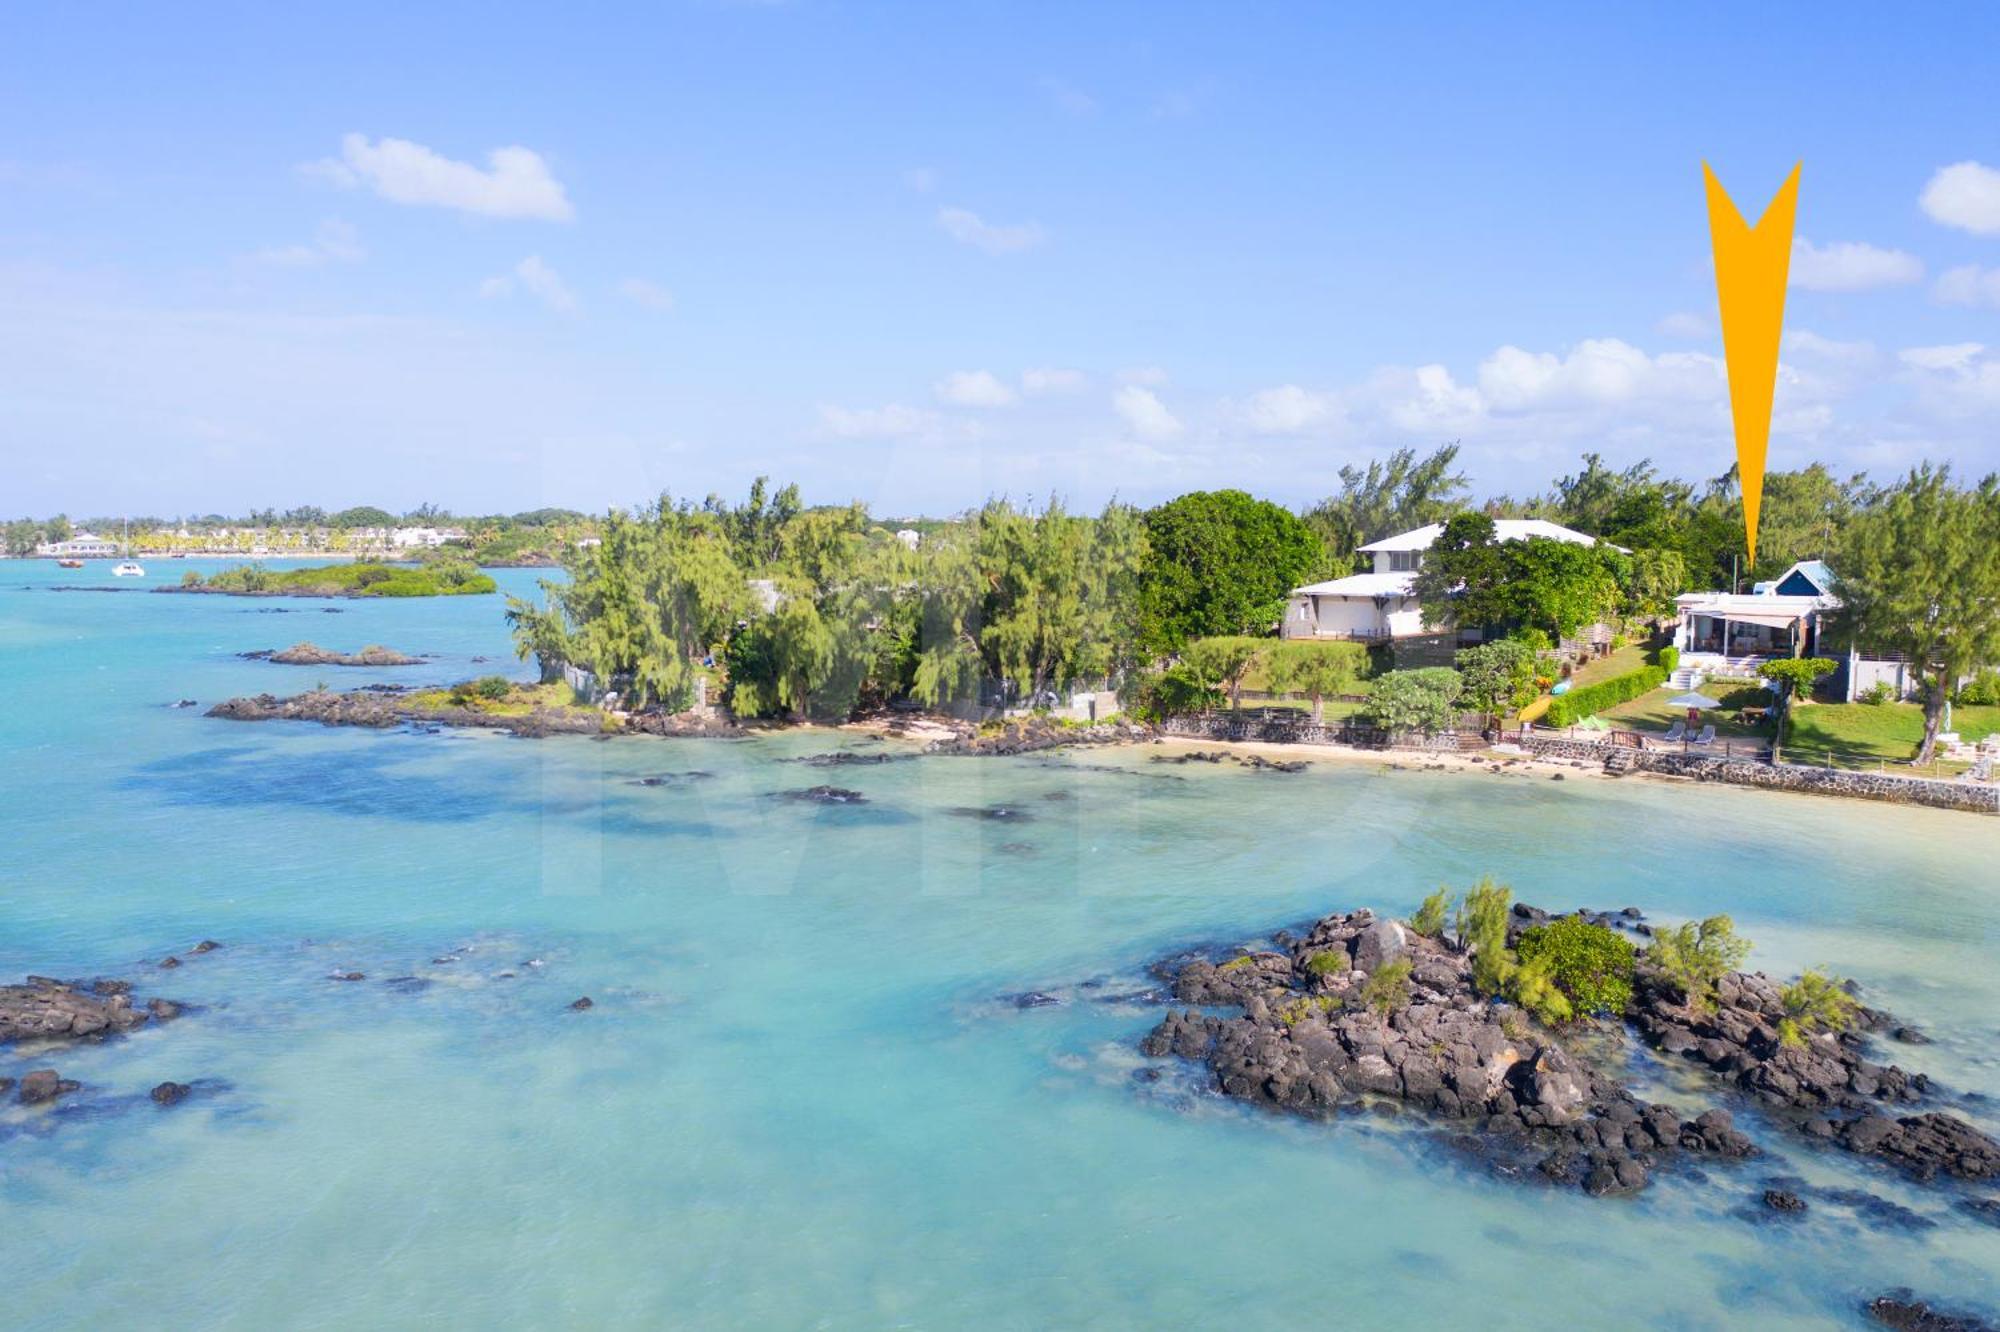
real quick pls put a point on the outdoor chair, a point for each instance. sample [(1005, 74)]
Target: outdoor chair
[(1676, 731), (1707, 736)]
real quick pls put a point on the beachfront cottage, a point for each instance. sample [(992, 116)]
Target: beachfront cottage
[(1722, 633), (82, 546), (1378, 607)]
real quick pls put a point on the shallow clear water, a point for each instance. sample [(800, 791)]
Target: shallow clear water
[(800, 1100)]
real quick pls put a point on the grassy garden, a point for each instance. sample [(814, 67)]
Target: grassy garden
[(1884, 732)]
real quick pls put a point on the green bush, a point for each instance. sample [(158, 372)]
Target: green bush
[(1429, 917), (1981, 689), (1482, 931), (1532, 986), (1879, 693), (1327, 962), (1815, 1002), (1668, 658), (1387, 988), (1694, 957), (1590, 964), (1573, 707)]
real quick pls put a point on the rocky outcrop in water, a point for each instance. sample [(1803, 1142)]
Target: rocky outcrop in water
[(45, 1009), (1029, 735), (312, 654), (1823, 1085), (381, 710), (1306, 1043), (1903, 1311)]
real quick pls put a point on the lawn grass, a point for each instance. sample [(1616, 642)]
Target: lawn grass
[(1649, 712), (1622, 662), (1880, 731)]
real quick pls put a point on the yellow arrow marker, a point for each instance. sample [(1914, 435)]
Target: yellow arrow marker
[(1751, 265)]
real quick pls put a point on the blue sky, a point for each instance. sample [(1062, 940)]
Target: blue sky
[(921, 254)]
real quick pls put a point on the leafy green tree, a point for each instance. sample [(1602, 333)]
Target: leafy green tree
[(1220, 563), (1466, 576), (1496, 676), (1658, 576), (1387, 497), (1423, 700), (1531, 984), (1919, 574), (1316, 670), (1224, 662), (1815, 1002), (1694, 957), (1796, 676), (1590, 964), (1561, 586), (1482, 932), (1059, 605), (1429, 918)]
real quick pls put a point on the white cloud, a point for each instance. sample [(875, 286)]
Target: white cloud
[(515, 183), (968, 228), (1685, 326), (894, 421), (1152, 376), (1957, 356), (1851, 266), (1965, 195), (1039, 381), (974, 388), (1956, 385), (649, 294), (537, 279), (334, 242), (1145, 413), (1068, 98), (1291, 410), (1596, 371), (1811, 346), (1969, 285)]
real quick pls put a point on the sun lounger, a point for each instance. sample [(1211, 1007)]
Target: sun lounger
[(1707, 736), (1676, 731)]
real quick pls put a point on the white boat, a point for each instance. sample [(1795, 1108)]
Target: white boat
[(128, 570)]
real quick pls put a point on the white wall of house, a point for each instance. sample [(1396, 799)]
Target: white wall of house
[(1349, 616)]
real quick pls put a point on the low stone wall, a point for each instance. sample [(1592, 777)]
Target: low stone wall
[(1975, 798), (1222, 726)]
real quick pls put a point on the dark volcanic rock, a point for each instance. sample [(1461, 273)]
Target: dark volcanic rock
[(44, 1084), (1303, 1042), (1031, 735), (992, 813), (347, 976), (45, 1008), (581, 1005), (1783, 1200), (205, 946), (1903, 1311), (170, 1093), (823, 795), (312, 654)]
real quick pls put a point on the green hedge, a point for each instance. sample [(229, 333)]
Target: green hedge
[(1571, 708), (1669, 658)]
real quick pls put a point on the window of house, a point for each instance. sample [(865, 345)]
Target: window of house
[(1403, 561)]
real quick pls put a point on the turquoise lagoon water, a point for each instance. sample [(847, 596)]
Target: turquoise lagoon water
[(800, 1100)]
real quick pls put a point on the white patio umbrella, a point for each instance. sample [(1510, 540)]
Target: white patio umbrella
[(1692, 700)]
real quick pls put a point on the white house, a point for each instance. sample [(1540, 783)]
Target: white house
[(82, 546), (1378, 606), (1722, 633)]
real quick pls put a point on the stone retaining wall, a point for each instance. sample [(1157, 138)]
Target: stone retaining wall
[(1220, 726), (1980, 799)]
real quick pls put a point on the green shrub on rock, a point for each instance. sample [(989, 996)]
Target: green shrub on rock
[(1590, 965), (1532, 985), (1815, 1002), (1428, 920), (1694, 957), (1387, 988), (1327, 962), (1482, 931)]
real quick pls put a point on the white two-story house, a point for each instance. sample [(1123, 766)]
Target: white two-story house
[(1378, 606)]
